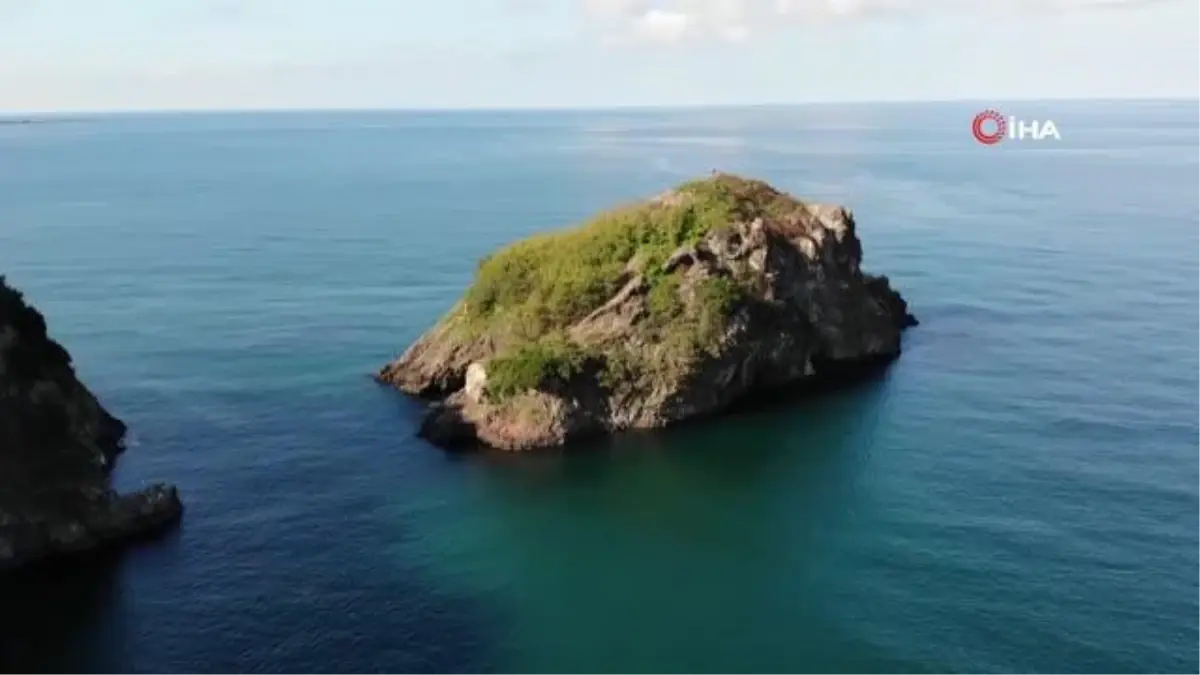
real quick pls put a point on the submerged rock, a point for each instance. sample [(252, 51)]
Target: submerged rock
[(57, 448), (649, 315)]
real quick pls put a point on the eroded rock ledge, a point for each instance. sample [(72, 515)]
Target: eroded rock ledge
[(57, 448), (651, 314)]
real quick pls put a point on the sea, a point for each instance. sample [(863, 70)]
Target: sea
[(1017, 493)]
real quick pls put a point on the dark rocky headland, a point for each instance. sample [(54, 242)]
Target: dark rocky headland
[(651, 314), (58, 446)]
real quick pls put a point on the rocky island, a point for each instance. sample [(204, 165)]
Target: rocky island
[(58, 446), (651, 314)]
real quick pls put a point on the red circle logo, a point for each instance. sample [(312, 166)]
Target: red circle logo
[(984, 120)]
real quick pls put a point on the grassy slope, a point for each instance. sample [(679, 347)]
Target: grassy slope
[(531, 291)]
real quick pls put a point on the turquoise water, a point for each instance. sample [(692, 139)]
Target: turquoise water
[(1018, 493)]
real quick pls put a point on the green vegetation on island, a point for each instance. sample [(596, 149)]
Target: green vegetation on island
[(531, 291)]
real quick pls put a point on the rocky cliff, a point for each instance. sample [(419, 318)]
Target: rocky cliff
[(57, 448), (651, 314)]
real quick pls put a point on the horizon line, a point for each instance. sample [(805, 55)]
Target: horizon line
[(31, 113)]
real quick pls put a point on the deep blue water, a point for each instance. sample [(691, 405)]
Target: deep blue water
[(1017, 493)]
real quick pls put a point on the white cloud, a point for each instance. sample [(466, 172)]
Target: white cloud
[(659, 25), (607, 8), (672, 21)]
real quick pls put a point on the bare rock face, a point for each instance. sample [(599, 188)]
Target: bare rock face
[(650, 315), (57, 448)]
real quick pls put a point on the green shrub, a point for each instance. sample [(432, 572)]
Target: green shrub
[(620, 366), (715, 299), (531, 365), (663, 299), (717, 296)]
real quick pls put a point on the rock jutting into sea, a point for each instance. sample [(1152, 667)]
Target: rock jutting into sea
[(651, 314), (58, 446)]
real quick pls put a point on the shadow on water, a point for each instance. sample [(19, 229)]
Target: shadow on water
[(151, 609), (52, 612), (76, 619)]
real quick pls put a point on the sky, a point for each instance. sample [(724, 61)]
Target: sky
[(91, 55)]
